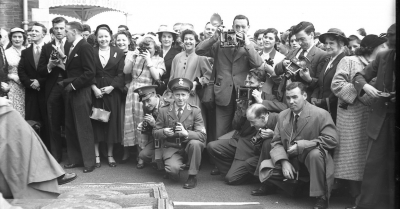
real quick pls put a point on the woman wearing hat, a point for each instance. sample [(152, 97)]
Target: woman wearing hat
[(167, 37), (145, 67), (13, 55), (109, 62), (352, 113), (322, 96)]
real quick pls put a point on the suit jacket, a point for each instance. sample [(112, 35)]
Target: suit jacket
[(191, 120), (232, 66), (316, 56), (27, 69), (51, 78), (323, 86), (113, 73), (168, 62), (383, 68), (80, 66)]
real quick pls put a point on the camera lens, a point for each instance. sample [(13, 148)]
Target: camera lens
[(230, 38)]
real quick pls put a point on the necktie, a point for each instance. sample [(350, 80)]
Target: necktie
[(36, 55), (70, 50), (296, 118), (301, 56), (179, 113), (62, 46)]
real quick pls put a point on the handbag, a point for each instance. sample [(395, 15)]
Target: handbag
[(101, 115), (208, 98)]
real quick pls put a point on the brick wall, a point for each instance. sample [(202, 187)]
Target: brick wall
[(11, 12)]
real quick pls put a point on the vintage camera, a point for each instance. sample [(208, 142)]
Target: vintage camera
[(54, 55), (228, 39), (175, 128), (294, 66), (244, 93), (146, 128), (257, 139), (142, 49)]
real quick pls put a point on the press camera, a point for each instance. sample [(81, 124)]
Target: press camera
[(54, 55), (228, 39), (294, 66), (146, 128), (244, 93), (257, 139)]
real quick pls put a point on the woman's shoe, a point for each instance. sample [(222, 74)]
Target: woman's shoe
[(111, 164), (97, 165)]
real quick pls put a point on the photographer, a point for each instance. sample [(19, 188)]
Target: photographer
[(180, 128), (311, 55), (234, 154), (232, 65), (151, 104)]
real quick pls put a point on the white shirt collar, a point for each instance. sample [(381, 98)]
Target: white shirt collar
[(62, 41), (79, 38), (41, 44), (176, 107), (294, 114)]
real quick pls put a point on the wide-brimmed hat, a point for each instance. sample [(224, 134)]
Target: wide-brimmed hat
[(335, 32), (165, 29), (372, 41)]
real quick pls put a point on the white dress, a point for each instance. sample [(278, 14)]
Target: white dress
[(17, 90)]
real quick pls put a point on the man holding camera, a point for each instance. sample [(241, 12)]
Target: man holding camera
[(51, 67), (308, 57), (232, 65), (180, 128), (303, 139), (151, 104)]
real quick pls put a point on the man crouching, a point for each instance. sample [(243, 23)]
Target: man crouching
[(180, 129), (303, 137)]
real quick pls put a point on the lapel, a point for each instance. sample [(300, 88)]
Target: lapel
[(29, 52), (113, 56), (169, 55), (76, 48), (228, 53), (311, 53), (97, 58), (303, 120), (186, 112), (171, 112), (286, 124), (238, 54)]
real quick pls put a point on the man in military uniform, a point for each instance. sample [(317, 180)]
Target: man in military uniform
[(151, 104), (180, 128)]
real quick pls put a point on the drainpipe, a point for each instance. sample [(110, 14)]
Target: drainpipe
[(25, 21)]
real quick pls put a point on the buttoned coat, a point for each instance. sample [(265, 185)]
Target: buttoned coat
[(232, 65), (384, 69), (191, 120)]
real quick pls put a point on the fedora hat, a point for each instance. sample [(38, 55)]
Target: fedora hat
[(335, 32), (165, 29)]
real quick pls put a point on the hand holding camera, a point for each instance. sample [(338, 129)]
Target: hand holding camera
[(169, 132), (305, 75), (179, 129), (139, 126), (257, 96), (57, 53), (150, 120)]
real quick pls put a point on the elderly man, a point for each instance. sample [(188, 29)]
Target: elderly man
[(181, 129), (303, 137)]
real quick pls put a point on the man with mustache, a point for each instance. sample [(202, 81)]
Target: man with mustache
[(180, 129), (53, 69)]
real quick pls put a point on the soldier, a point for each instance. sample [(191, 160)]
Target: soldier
[(151, 104), (180, 128)]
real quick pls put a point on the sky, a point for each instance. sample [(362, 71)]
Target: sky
[(348, 15)]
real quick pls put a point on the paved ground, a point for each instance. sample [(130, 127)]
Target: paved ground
[(209, 188)]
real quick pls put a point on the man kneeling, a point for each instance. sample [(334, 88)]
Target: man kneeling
[(303, 136), (180, 129)]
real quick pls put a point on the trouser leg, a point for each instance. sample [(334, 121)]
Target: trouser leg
[(81, 105), (264, 155), (173, 165), (222, 153), (379, 167), (316, 167), (73, 148), (194, 149), (224, 117), (55, 109), (241, 171), (148, 152)]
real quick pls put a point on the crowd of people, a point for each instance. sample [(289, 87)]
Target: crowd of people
[(296, 108)]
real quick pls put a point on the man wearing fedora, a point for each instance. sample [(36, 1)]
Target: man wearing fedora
[(152, 102), (181, 130)]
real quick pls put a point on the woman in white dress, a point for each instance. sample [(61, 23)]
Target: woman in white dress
[(13, 54)]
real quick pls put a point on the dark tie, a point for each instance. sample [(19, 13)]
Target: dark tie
[(296, 118), (301, 56), (70, 50), (179, 113), (36, 55)]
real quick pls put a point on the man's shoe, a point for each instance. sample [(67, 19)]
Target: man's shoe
[(215, 171), (321, 203), (66, 178), (263, 191), (72, 165), (190, 183), (88, 169)]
